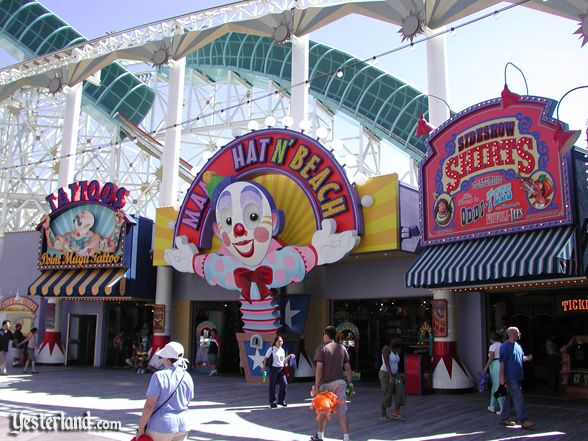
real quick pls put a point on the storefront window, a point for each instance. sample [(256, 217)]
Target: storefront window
[(378, 321)]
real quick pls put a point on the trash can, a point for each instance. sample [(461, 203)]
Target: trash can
[(417, 368)]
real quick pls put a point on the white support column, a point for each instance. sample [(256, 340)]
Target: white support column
[(437, 78), (299, 97), (449, 373), (71, 127), (51, 349), (169, 190), (170, 160)]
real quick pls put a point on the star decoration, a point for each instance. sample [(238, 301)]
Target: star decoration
[(412, 25), (257, 359), (583, 29), (289, 314), (160, 57), (283, 32)]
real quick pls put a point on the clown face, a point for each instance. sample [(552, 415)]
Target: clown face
[(82, 223), (245, 221)]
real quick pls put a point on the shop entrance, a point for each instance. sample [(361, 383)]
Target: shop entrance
[(542, 316), (378, 321), (127, 324), (225, 318), (81, 339)]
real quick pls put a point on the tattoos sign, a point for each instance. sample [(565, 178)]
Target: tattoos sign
[(86, 227)]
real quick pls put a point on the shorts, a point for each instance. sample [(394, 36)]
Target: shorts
[(212, 359), (158, 436), (31, 354), (16, 352), (338, 388)]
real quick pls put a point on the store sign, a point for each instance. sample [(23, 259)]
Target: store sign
[(567, 305), (159, 319), (235, 196), (274, 152), (86, 227), (21, 304), (494, 171)]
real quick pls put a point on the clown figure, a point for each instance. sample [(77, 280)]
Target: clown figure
[(81, 240), (250, 259)]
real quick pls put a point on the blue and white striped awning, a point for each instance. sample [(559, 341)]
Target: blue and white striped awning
[(537, 254)]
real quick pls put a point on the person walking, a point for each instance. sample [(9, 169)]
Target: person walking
[(276, 372), (165, 413), (553, 361), (17, 350), (512, 358), (391, 382), (31, 344), (493, 368), (213, 352), (5, 339), (333, 374)]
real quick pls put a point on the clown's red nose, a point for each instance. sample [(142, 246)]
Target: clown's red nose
[(239, 230)]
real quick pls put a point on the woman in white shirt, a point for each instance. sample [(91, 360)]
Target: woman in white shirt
[(276, 372), (493, 365), (391, 382)]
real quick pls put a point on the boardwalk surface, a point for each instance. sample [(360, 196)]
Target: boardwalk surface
[(228, 409)]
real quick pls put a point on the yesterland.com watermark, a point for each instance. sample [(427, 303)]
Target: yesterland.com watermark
[(24, 422)]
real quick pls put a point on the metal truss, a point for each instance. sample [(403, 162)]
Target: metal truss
[(31, 130)]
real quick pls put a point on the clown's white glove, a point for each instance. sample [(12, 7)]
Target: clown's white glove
[(182, 256), (330, 246)]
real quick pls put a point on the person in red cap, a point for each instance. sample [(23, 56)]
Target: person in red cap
[(165, 413)]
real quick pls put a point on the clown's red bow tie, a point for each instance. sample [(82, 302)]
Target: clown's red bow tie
[(262, 276)]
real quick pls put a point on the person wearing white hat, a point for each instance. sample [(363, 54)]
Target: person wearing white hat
[(165, 414)]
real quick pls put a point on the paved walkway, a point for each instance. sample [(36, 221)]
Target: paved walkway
[(228, 409)]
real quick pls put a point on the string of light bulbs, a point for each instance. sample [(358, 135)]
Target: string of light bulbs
[(338, 72)]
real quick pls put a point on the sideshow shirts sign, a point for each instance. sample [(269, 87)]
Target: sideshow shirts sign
[(491, 171)]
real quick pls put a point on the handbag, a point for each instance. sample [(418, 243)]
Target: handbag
[(270, 360), (144, 436)]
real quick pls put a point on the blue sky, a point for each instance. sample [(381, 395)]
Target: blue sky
[(543, 46)]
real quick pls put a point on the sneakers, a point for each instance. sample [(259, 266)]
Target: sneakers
[(273, 405), (398, 417), (315, 437), (283, 404), (528, 425), (508, 423), (491, 409)]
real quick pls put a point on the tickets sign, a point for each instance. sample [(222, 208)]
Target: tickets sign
[(493, 171)]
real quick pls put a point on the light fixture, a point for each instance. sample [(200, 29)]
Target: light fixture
[(367, 201), (304, 125), (287, 121), (322, 132), (565, 139), (339, 73), (336, 144), (360, 178), (423, 126), (252, 125), (270, 121), (508, 98)]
